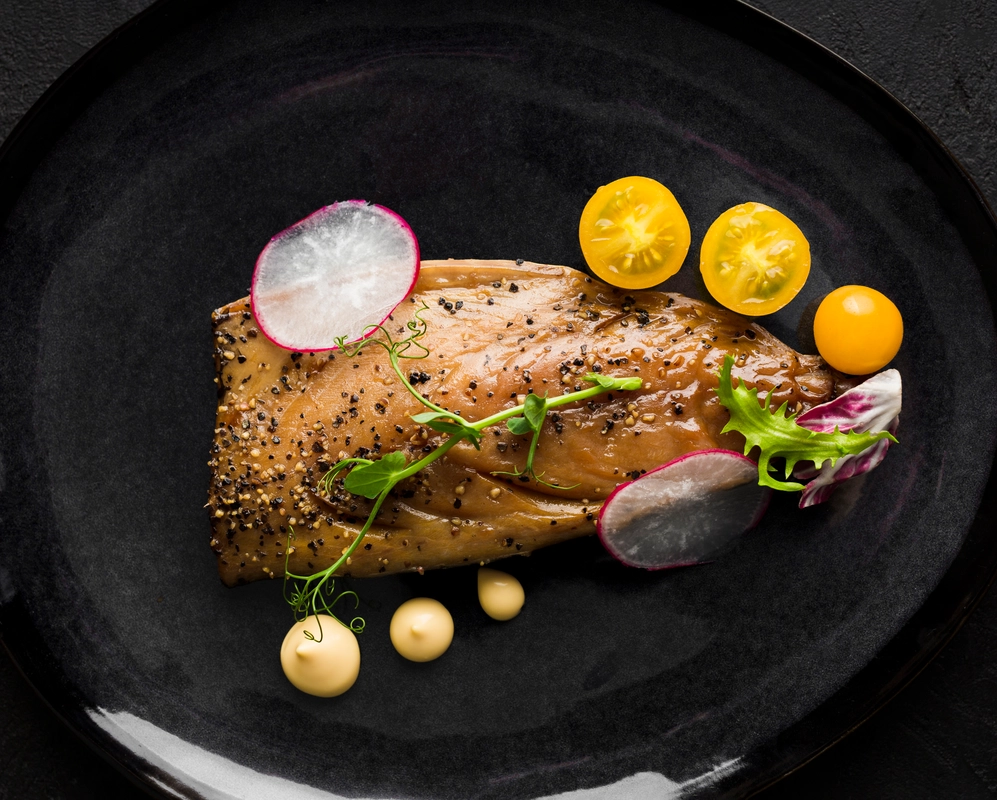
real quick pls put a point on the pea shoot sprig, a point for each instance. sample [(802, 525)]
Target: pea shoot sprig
[(374, 479)]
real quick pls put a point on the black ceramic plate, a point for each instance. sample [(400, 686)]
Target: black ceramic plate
[(136, 198)]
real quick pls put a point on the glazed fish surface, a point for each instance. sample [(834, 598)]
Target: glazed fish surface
[(496, 331)]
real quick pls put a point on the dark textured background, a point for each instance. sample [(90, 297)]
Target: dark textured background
[(939, 737)]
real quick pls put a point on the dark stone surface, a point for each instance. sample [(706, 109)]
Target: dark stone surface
[(937, 739)]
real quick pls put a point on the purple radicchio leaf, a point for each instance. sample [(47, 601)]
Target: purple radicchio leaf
[(872, 406)]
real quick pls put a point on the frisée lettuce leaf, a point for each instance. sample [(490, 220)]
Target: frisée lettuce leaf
[(776, 434)]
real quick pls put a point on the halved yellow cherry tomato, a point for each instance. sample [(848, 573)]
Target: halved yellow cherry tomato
[(754, 259), (634, 233), (858, 330)]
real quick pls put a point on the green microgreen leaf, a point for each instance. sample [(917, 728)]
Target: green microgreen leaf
[(428, 416), (609, 382), (448, 427), (451, 424), (369, 480), (461, 431), (534, 411), (776, 434)]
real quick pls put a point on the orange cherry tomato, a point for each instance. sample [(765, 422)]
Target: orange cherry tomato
[(754, 259), (858, 330), (634, 233)]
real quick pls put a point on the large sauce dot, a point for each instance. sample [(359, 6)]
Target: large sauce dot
[(325, 666)]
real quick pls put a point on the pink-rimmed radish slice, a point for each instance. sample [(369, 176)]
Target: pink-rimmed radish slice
[(335, 273), (683, 512)]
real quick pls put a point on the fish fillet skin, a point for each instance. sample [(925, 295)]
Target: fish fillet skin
[(497, 330)]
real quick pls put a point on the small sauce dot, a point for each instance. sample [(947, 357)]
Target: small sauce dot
[(500, 594)]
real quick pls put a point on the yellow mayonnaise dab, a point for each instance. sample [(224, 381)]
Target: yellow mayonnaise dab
[(500, 594), (323, 668), (421, 629)]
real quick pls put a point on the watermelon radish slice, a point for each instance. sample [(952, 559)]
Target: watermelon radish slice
[(684, 512), (334, 273)]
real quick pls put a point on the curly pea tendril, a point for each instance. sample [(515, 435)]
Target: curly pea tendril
[(374, 479), (310, 598)]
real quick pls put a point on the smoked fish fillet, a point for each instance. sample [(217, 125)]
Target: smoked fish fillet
[(497, 330)]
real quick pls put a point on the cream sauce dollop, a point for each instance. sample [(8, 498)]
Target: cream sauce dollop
[(421, 629), (500, 594), (325, 668)]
